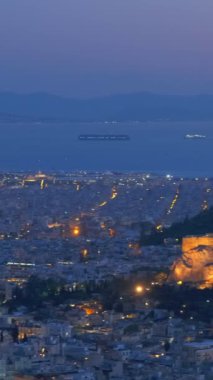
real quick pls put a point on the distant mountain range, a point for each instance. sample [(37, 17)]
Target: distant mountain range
[(129, 107)]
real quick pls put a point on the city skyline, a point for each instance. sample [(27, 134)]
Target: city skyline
[(106, 190)]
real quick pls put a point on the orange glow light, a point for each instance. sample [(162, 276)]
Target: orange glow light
[(139, 289), (89, 311), (85, 252), (112, 232), (76, 231)]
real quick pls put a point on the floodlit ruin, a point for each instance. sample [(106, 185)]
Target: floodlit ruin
[(196, 263)]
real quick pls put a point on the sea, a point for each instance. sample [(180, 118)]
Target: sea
[(152, 147)]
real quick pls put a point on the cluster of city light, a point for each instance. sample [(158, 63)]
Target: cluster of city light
[(16, 280), (43, 352), (157, 356), (40, 175), (42, 185), (205, 205), (174, 201), (159, 227), (20, 264), (103, 204), (114, 194), (36, 178), (54, 225)]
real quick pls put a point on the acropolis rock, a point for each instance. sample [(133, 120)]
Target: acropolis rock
[(196, 263)]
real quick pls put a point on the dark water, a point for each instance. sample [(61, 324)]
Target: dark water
[(153, 147)]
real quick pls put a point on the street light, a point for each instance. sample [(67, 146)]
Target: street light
[(139, 289)]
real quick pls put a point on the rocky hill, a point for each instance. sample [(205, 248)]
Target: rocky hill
[(196, 263)]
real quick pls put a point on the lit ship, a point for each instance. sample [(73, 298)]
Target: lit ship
[(103, 137), (195, 136)]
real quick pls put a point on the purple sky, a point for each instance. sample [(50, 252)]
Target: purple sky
[(96, 47)]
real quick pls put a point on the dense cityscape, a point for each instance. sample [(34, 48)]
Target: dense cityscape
[(98, 282), (106, 190)]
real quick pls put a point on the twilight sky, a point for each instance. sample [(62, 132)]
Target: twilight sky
[(94, 47)]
